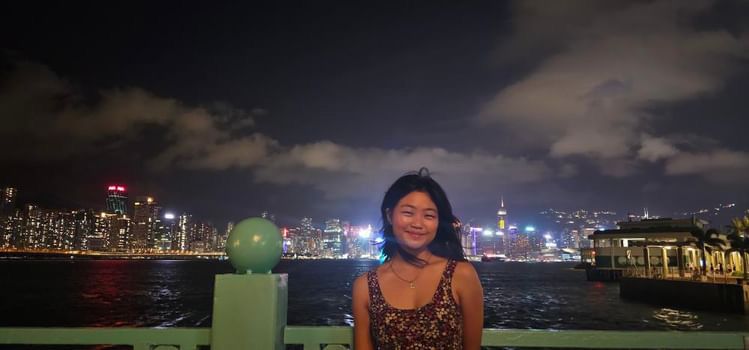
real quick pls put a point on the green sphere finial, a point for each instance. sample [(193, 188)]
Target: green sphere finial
[(254, 245)]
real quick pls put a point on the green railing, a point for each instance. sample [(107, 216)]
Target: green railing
[(249, 313), (334, 338), (315, 337), (138, 338)]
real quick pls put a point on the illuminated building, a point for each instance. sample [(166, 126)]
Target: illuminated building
[(116, 199), (97, 239), (166, 232), (310, 238), (182, 232), (118, 235), (332, 239), (8, 201), (296, 242), (145, 224), (469, 239), (32, 235), (84, 228), (109, 232), (202, 237), (501, 215), (7, 212), (12, 230), (59, 230)]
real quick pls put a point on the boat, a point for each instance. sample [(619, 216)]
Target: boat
[(493, 257)]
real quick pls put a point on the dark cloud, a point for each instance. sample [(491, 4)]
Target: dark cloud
[(49, 119), (206, 138), (605, 64)]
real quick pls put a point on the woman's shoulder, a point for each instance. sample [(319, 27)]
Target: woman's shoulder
[(464, 271), (364, 277), (361, 281)]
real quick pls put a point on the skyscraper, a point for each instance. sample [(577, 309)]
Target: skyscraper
[(145, 224), (501, 214), (118, 237), (116, 199), (167, 232), (332, 239), (8, 201), (181, 238), (502, 236), (7, 210)]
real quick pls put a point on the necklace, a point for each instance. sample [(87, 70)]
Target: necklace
[(411, 283)]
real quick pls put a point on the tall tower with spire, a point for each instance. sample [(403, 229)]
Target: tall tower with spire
[(501, 214)]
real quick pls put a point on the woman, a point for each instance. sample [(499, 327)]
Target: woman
[(425, 295)]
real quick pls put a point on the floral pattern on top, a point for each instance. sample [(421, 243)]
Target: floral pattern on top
[(436, 325)]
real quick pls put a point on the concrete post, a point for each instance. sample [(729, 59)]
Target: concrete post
[(249, 312), (249, 307)]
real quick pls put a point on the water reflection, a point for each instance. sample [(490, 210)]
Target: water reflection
[(678, 320)]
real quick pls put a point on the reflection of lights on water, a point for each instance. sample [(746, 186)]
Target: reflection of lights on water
[(678, 320)]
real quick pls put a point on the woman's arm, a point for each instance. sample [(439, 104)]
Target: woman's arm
[(360, 306), (471, 300)]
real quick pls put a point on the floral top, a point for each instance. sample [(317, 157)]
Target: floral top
[(436, 325)]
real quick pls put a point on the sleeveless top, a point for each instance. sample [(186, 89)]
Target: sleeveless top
[(436, 325)]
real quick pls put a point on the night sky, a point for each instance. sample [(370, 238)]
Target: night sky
[(313, 108)]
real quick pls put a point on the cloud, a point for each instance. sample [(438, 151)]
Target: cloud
[(653, 149), (720, 166), (341, 171), (47, 119), (604, 64), (58, 123)]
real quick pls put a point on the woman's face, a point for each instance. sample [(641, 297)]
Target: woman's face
[(414, 221)]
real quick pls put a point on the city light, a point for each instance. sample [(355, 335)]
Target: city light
[(169, 216), (487, 232), (530, 229), (116, 188), (366, 232)]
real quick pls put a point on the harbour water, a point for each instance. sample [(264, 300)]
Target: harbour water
[(179, 293)]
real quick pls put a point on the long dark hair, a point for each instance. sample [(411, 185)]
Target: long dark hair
[(446, 243)]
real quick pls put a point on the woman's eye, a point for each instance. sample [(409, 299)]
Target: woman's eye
[(430, 216), (407, 213)]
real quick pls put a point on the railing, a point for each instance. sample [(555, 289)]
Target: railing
[(335, 338), (137, 338), (249, 313)]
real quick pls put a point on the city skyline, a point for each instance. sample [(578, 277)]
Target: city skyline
[(305, 111), (500, 218), (139, 226)]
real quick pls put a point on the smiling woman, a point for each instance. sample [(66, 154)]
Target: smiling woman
[(425, 295)]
